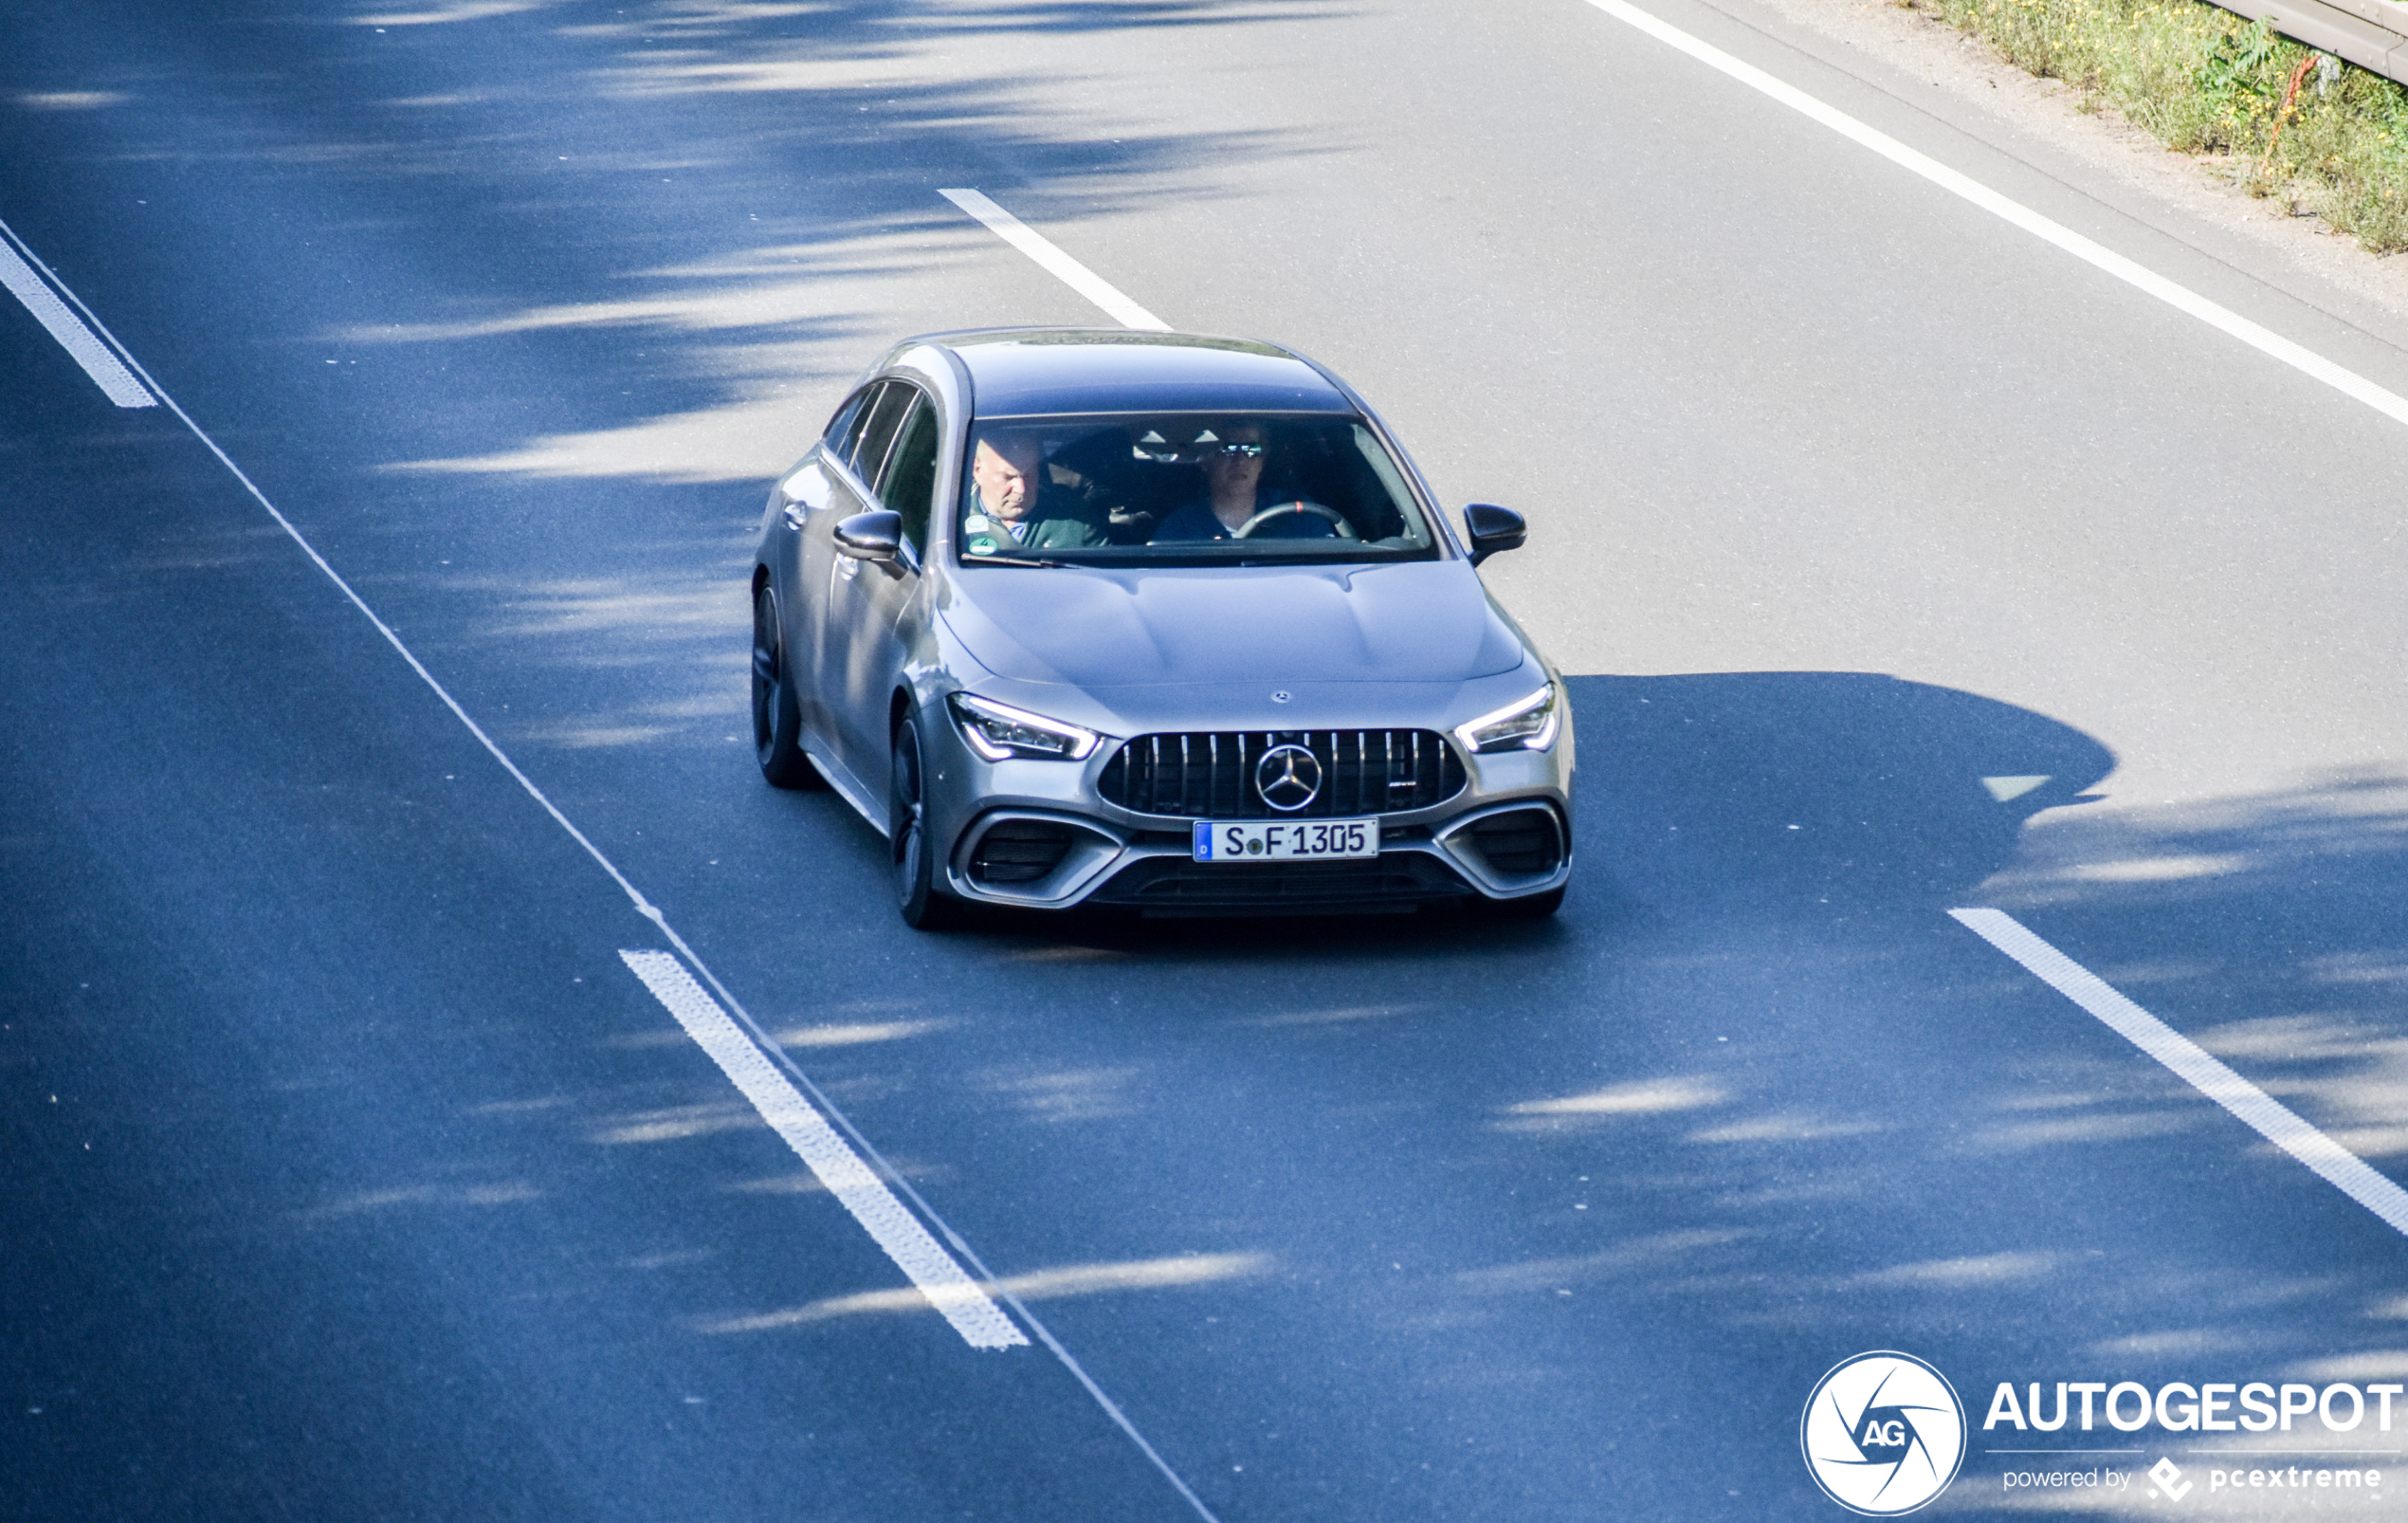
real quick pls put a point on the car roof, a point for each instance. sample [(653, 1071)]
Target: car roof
[(1036, 371)]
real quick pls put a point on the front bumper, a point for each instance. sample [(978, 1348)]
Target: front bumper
[(1039, 834)]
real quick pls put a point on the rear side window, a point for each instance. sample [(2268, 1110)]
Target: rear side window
[(909, 485), (844, 428), (879, 421)]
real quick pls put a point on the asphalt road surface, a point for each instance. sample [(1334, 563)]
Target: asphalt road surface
[(347, 1171)]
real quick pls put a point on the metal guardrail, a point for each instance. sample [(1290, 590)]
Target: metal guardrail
[(2372, 34)]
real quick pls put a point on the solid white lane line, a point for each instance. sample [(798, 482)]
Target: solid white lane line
[(112, 377), (863, 1193), (2273, 346), (1061, 266), (2339, 1167)]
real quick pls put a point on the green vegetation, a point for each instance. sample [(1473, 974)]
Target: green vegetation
[(2205, 80)]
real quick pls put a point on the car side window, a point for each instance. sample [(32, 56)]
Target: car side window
[(909, 486), (857, 416), (879, 421), (844, 428)]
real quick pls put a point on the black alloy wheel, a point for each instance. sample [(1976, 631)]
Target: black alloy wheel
[(777, 720), (924, 907)]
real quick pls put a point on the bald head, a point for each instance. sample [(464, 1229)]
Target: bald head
[(1004, 469)]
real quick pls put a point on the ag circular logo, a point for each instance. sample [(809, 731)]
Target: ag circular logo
[(1289, 777), (1884, 1432)]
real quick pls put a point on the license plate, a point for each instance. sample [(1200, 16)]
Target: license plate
[(1285, 840)]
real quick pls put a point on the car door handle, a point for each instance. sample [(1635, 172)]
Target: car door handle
[(793, 515)]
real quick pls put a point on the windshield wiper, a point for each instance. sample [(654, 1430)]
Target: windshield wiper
[(1013, 560)]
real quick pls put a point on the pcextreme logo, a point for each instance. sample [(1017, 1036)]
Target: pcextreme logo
[(1883, 1434)]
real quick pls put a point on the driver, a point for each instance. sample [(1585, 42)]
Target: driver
[(1011, 508), (1234, 494)]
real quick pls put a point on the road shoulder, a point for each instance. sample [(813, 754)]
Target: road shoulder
[(1961, 81)]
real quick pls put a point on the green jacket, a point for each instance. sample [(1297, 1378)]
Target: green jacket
[(1055, 530), (1060, 534)]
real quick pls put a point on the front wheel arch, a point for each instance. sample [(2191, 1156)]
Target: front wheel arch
[(917, 865), (777, 722)]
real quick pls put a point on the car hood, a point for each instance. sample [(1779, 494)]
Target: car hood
[(1416, 621)]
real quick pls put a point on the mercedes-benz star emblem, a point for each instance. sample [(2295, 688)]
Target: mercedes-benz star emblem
[(1280, 697), (1289, 777)]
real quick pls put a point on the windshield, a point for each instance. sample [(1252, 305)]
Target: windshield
[(1187, 489)]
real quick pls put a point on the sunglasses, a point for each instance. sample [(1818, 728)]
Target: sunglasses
[(1243, 451)]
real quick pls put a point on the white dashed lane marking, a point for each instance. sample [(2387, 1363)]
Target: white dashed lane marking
[(80, 342), (2342, 1169), (755, 1074), (1055, 262), (724, 1006), (861, 1191)]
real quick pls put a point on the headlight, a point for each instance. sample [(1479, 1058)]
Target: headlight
[(996, 731), (1525, 724)]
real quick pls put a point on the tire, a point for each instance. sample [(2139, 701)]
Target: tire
[(777, 720), (923, 905), (1537, 906)]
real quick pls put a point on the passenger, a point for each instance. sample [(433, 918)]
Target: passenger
[(1232, 494), (1014, 508)]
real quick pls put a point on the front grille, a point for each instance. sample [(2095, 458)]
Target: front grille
[(1518, 841), (1018, 851), (1210, 774)]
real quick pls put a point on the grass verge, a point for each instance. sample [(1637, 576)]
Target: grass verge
[(2327, 138)]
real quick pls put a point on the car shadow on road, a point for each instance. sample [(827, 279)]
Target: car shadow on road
[(1708, 790), (1680, 1152), (1707, 793), (1681, 1149)]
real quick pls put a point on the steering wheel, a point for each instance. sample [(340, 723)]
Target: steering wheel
[(1337, 520)]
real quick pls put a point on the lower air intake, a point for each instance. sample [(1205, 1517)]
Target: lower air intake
[(1519, 842), (1018, 851)]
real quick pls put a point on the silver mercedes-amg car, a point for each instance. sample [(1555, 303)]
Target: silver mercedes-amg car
[(1151, 620)]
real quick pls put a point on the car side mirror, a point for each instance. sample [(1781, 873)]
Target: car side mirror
[(872, 536), (1493, 529)]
